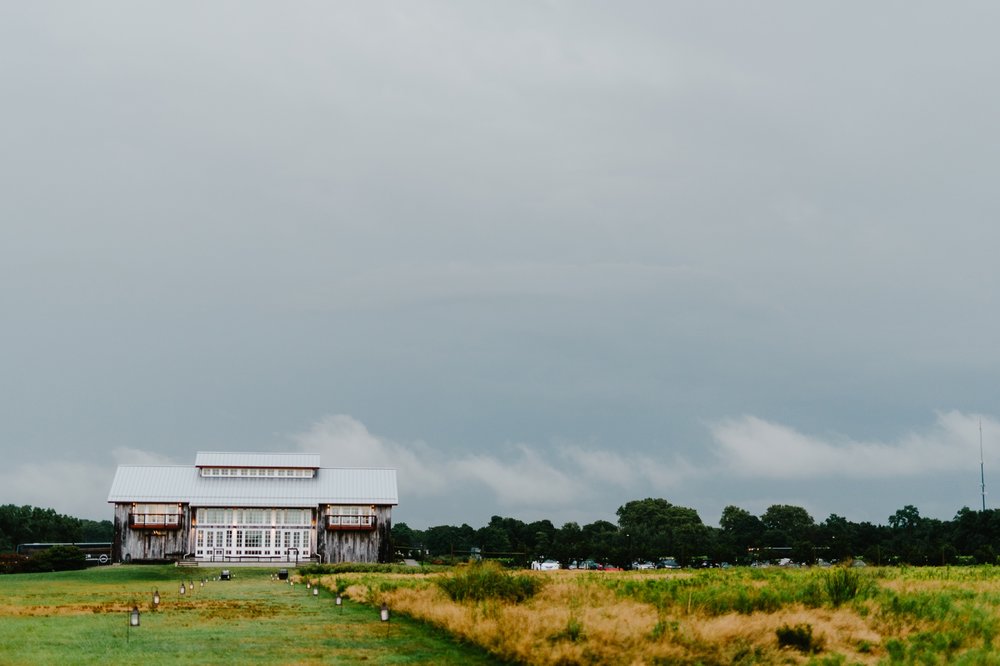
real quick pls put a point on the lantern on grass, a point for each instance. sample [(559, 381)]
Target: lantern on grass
[(133, 621), (315, 591), (156, 599), (340, 603), (182, 589), (384, 616)]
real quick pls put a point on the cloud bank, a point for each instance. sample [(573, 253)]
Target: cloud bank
[(740, 449), (740, 453), (753, 447), (573, 481), (516, 475)]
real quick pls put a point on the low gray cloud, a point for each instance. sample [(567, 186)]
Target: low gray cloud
[(513, 476), (753, 447)]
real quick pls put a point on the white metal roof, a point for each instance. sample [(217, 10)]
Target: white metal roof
[(184, 483), (271, 460)]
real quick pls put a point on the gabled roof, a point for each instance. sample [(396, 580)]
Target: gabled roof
[(269, 460), (184, 483)]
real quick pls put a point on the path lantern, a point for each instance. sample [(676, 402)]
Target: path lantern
[(156, 599), (316, 591), (340, 603), (183, 589), (133, 621)]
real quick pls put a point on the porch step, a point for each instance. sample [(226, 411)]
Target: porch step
[(187, 563)]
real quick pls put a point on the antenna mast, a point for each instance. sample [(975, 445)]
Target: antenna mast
[(982, 474)]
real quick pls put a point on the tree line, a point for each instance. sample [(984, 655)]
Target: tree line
[(31, 524), (653, 528)]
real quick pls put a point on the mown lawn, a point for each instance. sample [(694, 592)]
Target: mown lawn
[(81, 618)]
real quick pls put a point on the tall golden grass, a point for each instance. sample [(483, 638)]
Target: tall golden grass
[(595, 617)]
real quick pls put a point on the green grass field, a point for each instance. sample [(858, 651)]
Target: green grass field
[(81, 618)]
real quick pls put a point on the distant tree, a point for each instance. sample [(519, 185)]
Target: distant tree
[(402, 536), (740, 530), (975, 533), (837, 537), (790, 526), (569, 543), (96, 531), (448, 540), (907, 518), (910, 540), (493, 539), (541, 535), (29, 524), (601, 539), (656, 528)]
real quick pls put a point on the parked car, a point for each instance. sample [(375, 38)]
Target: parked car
[(668, 563), (549, 565), (643, 565)]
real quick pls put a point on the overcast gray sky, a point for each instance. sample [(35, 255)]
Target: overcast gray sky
[(542, 257)]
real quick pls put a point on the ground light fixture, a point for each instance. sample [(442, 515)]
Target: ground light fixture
[(340, 603), (133, 621), (183, 589), (316, 591), (156, 599), (384, 616)]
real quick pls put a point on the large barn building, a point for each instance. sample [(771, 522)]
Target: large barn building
[(252, 507)]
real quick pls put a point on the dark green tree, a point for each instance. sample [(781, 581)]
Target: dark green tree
[(789, 526), (656, 528), (740, 531)]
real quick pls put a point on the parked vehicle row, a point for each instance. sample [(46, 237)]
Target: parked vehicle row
[(594, 565)]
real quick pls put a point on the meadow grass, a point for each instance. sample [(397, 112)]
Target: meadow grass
[(738, 616), (81, 618)]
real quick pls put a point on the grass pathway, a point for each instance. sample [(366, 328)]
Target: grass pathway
[(81, 618)]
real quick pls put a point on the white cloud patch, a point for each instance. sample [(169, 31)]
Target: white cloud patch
[(606, 466), (753, 447), (518, 475), (529, 479), (664, 476), (343, 441), (628, 469)]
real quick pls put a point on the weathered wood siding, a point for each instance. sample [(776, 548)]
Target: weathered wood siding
[(357, 545), (132, 545)]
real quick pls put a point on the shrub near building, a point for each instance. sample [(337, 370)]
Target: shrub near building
[(56, 558)]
